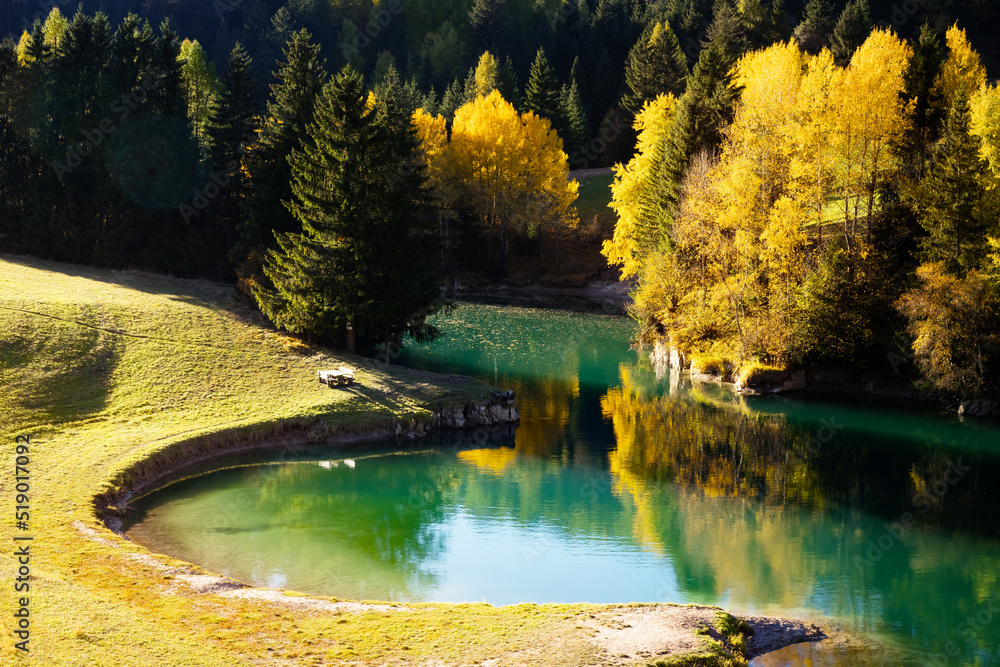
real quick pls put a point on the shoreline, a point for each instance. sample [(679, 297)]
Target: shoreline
[(126, 380), (630, 633)]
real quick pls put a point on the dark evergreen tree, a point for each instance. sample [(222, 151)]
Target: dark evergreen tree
[(131, 55), (300, 78), (541, 95), (361, 265), (952, 201), (230, 131), (852, 29), (167, 96), (488, 27), (576, 133), (656, 65), (920, 75), (702, 112), (814, 32), (453, 98), (508, 84)]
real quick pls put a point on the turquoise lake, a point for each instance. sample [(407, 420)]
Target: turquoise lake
[(626, 483)]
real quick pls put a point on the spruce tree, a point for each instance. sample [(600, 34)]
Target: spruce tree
[(852, 29), (813, 33), (300, 79), (453, 98), (656, 65), (542, 92), (361, 265), (702, 112), (508, 84), (488, 20), (167, 96), (230, 131), (574, 117), (952, 200), (920, 76)]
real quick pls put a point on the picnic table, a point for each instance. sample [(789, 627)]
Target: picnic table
[(337, 377)]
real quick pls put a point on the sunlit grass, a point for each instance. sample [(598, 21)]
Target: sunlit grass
[(593, 199), (117, 374)]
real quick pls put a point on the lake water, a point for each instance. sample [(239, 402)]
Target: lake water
[(624, 483)]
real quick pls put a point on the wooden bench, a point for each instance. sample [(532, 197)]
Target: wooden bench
[(337, 377)]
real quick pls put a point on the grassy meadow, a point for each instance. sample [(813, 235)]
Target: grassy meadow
[(107, 369)]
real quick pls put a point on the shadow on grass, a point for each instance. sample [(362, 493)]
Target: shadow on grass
[(59, 372)]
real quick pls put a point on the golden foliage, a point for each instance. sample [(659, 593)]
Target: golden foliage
[(512, 166), (953, 358), (985, 108), (652, 123), (962, 68), (805, 134)]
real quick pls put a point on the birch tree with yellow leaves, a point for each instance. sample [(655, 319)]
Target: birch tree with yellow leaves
[(869, 117), (508, 169), (749, 226)]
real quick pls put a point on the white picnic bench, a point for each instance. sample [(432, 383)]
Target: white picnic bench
[(339, 376)]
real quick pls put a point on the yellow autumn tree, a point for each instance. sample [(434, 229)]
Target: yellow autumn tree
[(652, 123), (985, 107), (486, 75), (757, 254), (869, 117), (962, 68), (23, 58), (511, 171), (812, 169), (432, 135)]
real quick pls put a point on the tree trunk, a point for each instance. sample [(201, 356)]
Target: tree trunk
[(350, 336)]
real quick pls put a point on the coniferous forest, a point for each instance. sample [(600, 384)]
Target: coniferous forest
[(796, 183)]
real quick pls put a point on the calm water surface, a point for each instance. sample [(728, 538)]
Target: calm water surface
[(624, 484)]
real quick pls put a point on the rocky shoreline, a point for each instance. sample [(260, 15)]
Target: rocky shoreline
[(847, 381)]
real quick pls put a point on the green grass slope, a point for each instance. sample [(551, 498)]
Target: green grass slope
[(107, 369)]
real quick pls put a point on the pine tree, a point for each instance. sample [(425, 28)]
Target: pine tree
[(852, 29), (542, 92), (702, 112), (574, 117), (488, 20), (508, 84), (814, 32), (656, 65), (361, 264), (951, 200), (453, 98), (920, 76), (300, 78), (167, 97), (229, 133)]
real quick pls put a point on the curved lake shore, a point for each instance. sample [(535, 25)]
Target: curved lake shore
[(109, 370)]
